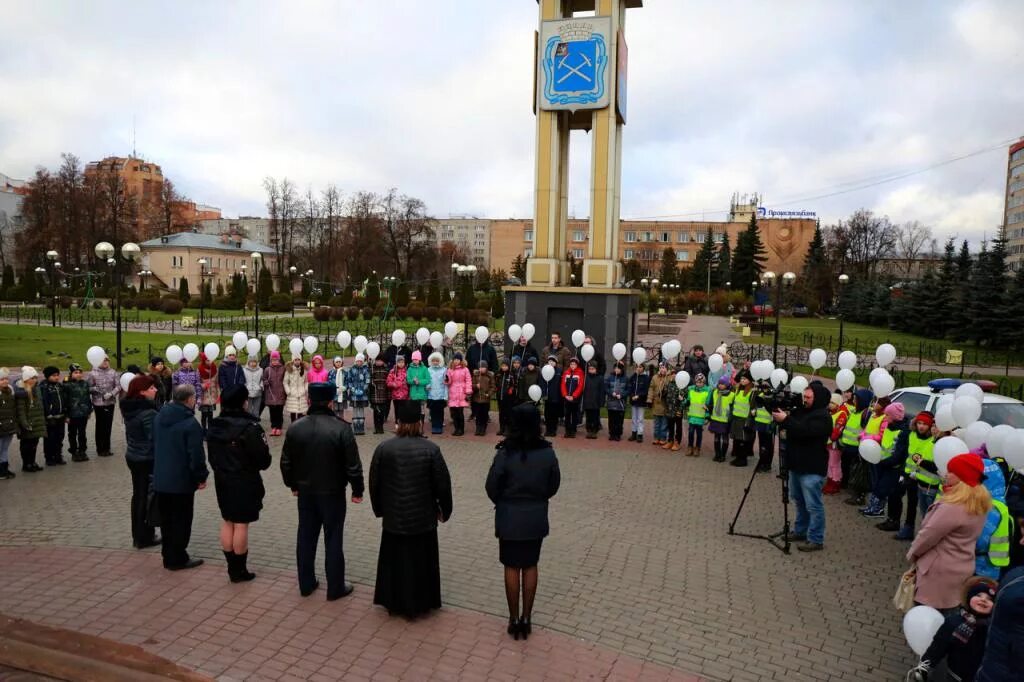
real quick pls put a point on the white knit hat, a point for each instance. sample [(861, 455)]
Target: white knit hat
[(360, 357), (28, 373), (4, 373), (230, 350)]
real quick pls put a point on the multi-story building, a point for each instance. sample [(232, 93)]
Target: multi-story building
[(12, 192), (1013, 211), (251, 227), (174, 257), (471, 235)]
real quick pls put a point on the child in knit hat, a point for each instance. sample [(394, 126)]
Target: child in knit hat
[(8, 422)]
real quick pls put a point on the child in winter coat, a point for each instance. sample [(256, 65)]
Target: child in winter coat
[(697, 407), (380, 395), (162, 378), (615, 400), (296, 389), (79, 409), (357, 382), (316, 373), (552, 389), (483, 389), (636, 388), (55, 409), (460, 388), (721, 406), (572, 394), (893, 439), (593, 399), (254, 384), (208, 372), (8, 422), (230, 372), (274, 396), (741, 427), (673, 397), (28, 402), (336, 377), (418, 379), (962, 636), (517, 372), (437, 392), (398, 385), (528, 376), (185, 374), (835, 466), (655, 389), (508, 394)]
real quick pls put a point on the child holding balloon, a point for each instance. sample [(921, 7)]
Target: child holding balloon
[(210, 389), (615, 400)]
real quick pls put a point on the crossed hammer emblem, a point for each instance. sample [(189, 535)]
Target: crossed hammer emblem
[(575, 69)]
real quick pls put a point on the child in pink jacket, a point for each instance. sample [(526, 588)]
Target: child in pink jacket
[(460, 389)]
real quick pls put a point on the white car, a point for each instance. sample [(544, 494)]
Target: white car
[(995, 409)]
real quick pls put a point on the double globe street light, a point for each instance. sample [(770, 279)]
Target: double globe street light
[(769, 279), (129, 253)]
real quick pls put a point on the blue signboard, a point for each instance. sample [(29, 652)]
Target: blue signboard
[(574, 65)]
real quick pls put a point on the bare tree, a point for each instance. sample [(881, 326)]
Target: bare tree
[(274, 219), (912, 241), (360, 236), (858, 244), (289, 218), (6, 235), (330, 211), (408, 231)]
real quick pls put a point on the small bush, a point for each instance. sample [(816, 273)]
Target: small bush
[(367, 313), (65, 302), (96, 305), (128, 303), (402, 312), (337, 313), (222, 303), (432, 312), (321, 313), (352, 312), (171, 306)]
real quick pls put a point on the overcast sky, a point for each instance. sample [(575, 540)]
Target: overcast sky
[(792, 99)]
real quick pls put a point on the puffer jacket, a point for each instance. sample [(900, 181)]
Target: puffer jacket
[(138, 414), (320, 455), (253, 380), (527, 379), (379, 393), (638, 385), (297, 390), (190, 377), (410, 485), (336, 378), (79, 399), (508, 392), (438, 389), (55, 402), (357, 381), (654, 392), (230, 374), (672, 398), (417, 378), (615, 393), (29, 409), (397, 385), (238, 452), (103, 386), (572, 385), (8, 413), (460, 386), (552, 389), (273, 385), (1001, 661), (314, 375), (483, 386), (593, 392)]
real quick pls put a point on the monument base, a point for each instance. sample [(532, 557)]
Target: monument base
[(608, 315)]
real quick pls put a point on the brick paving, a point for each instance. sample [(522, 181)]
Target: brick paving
[(638, 564)]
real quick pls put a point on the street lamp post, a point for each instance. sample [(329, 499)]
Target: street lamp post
[(463, 272), (129, 253), (143, 274), (291, 288), (843, 281), (650, 286), (51, 256), (787, 279), (257, 260), (202, 290)]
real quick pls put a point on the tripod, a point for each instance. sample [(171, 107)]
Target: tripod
[(779, 540)]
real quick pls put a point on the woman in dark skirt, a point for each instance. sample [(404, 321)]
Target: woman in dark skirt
[(411, 490), (238, 453), (523, 477)]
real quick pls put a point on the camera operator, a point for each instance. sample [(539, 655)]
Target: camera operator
[(807, 431)]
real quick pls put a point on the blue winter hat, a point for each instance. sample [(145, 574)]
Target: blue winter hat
[(863, 397), (516, 358)]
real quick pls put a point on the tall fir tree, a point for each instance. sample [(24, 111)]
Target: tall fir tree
[(723, 271), (7, 283), (703, 263), (815, 284), (519, 268), (988, 294), (434, 293), (669, 273), (1013, 334), (264, 286), (945, 300), (183, 293), (749, 256)]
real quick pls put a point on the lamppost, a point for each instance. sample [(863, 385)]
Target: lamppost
[(257, 266), (202, 289), (467, 272), (129, 253), (388, 282), (650, 286), (711, 264), (143, 274), (308, 274), (244, 282), (51, 256), (843, 281), (771, 278), (291, 288)]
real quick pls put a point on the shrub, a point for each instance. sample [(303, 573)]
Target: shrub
[(279, 303), (128, 303), (222, 303), (352, 312), (432, 312), (336, 301), (402, 312), (367, 313), (447, 313), (171, 305), (416, 310), (96, 305), (321, 313)]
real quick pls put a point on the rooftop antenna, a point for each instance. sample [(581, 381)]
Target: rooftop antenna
[(134, 156)]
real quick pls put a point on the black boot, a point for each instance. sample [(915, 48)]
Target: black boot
[(632, 436), (5, 472), (639, 438), (242, 573)]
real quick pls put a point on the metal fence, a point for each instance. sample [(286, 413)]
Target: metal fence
[(927, 352)]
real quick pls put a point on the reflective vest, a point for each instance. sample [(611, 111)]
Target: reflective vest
[(852, 430), (889, 442), (874, 426), (698, 403), (741, 404), (922, 447), (762, 415), (999, 543), (720, 405), (835, 420)]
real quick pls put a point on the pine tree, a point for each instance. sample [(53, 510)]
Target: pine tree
[(264, 286), (703, 263), (815, 284), (7, 283), (723, 272), (988, 294), (434, 293), (519, 268), (372, 290), (183, 292), (944, 302), (749, 256), (497, 304), (1014, 333), (420, 293), (668, 274), (402, 295), (483, 280), (29, 284), (467, 297), (207, 293), (963, 262)]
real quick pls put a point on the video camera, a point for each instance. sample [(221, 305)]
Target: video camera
[(781, 398)]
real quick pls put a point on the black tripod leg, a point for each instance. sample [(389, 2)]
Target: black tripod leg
[(750, 484)]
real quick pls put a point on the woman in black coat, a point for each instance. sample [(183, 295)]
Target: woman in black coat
[(238, 452), (138, 411), (523, 477)]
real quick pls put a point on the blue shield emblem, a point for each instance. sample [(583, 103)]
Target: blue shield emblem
[(575, 70)]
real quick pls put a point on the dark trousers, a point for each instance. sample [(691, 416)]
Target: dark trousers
[(27, 447), (765, 448), (53, 443), (552, 413), (176, 524), (908, 489), (695, 435), (436, 408), (615, 420), (675, 429), (572, 416), (458, 415), (593, 419), (742, 449), (76, 434), (104, 424), (316, 512), (481, 413), (380, 415), (142, 472), (721, 445), (206, 415), (504, 410), (886, 482), (849, 458)]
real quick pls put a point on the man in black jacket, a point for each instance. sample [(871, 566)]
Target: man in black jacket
[(319, 459), (806, 431)]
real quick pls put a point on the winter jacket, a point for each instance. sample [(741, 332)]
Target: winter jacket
[(253, 380), (593, 391), (397, 386), (995, 483), (552, 390), (672, 398), (561, 352), (314, 375), (162, 380), (694, 366), (78, 398), (520, 488), (410, 485), (297, 391), (944, 553), (8, 413), (460, 386), (615, 393), (179, 463), (209, 380), (190, 377), (230, 374), (273, 385), (392, 353), (320, 455), (103, 386), (138, 414), (55, 402), (654, 391), (1002, 657), (526, 379), (637, 386), (485, 351), (336, 378), (29, 410), (527, 351), (238, 452), (572, 385), (703, 397), (438, 388), (807, 433), (961, 641), (483, 386), (508, 391), (417, 378), (357, 381), (379, 392)]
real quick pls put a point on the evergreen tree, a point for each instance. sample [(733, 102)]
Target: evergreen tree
[(497, 304), (183, 292), (723, 272), (633, 271), (220, 289), (434, 293), (467, 297), (1013, 334), (264, 286), (963, 262), (420, 293), (703, 263), (7, 283), (29, 284), (945, 286), (668, 274), (207, 293), (372, 290), (988, 294), (519, 268), (401, 295), (307, 287), (749, 256), (483, 280), (815, 284)]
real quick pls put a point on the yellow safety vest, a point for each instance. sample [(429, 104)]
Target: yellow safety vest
[(698, 399), (762, 415), (852, 430), (835, 420), (888, 442), (874, 426), (741, 404), (720, 406), (999, 543), (922, 447)]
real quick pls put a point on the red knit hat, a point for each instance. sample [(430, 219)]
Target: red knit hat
[(968, 467), (925, 417)]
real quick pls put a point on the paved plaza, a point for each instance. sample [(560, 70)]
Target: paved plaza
[(638, 570)]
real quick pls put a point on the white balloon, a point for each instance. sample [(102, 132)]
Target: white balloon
[(944, 418), (976, 434), (671, 349), (972, 390), (295, 346), (847, 360), (190, 351), (919, 627), (619, 351), (817, 358), (529, 330), (885, 354), (947, 448), (548, 372), (252, 347), (359, 343), (238, 339), (310, 343), (211, 351), (372, 350), (95, 355), (578, 337), (126, 379), (436, 340), (882, 384), (1013, 449), (535, 392), (587, 352), (871, 451), (639, 356), (798, 384), (682, 378), (997, 440), (875, 374), (344, 339), (715, 362), (273, 341), (755, 370), (451, 329), (230, 350), (422, 335), (173, 354), (514, 332), (481, 334), (845, 379), (398, 338), (778, 377), (966, 410)]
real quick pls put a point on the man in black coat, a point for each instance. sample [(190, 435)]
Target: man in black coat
[(805, 433), (480, 352), (392, 353), (319, 459)]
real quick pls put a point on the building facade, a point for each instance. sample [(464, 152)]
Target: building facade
[(174, 257), (1013, 211), (12, 193), (472, 236), (250, 227)]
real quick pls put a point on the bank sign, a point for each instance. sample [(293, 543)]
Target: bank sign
[(763, 212), (573, 64)]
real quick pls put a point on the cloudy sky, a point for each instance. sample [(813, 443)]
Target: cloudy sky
[(795, 99)]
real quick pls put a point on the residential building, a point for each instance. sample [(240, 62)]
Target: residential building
[(472, 236), (176, 256), (12, 192), (251, 227), (1013, 211)]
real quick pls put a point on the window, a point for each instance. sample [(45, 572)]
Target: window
[(527, 253), (528, 236), (700, 237), (1015, 218), (1016, 201), (579, 236), (630, 237), (682, 237), (627, 254), (718, 237), (1018, 183), (648, 236), (577, 254), (174, 282), (665, 237), (1017, 155), (682, 255)]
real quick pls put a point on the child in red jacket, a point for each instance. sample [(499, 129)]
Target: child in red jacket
[(572, 391)]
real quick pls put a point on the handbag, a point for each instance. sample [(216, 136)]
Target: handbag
[(903, 600)]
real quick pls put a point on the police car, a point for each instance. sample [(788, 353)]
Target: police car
[(995, 409)]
